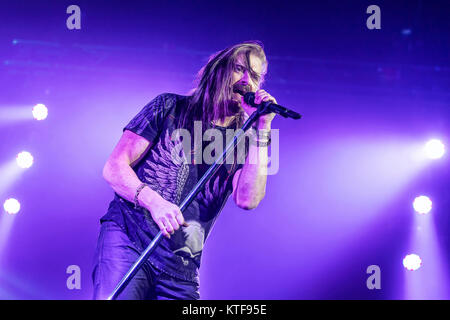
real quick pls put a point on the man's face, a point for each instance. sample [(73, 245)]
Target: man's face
[(244, 77)]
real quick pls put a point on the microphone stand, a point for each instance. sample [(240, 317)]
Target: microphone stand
[(261, 109)]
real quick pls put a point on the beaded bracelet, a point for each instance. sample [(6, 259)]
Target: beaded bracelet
[(138, 190)]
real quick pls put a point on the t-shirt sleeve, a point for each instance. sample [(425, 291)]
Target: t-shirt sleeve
[(149, 121)]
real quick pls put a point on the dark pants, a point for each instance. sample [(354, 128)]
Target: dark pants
[(115, 255)]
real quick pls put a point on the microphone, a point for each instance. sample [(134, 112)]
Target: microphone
[(268, 106)]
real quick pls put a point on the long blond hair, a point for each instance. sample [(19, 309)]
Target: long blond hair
[(212, 98)]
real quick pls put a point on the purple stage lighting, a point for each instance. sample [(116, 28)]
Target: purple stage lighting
[(11, 206), (434, 149), (40, 111), (24, 159), (422, 204), (412, 262)]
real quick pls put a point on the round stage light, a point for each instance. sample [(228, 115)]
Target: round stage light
[(422, 204), (24, 159), (11, 206), (40, 111), (434, 149), (412, 262)]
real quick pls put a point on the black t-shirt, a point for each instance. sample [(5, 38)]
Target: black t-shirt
[(180, 255)]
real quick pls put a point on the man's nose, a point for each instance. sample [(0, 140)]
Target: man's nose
[(245, 78)]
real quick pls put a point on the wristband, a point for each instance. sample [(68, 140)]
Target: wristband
[(261, 143), (138, 190), (261, 137)]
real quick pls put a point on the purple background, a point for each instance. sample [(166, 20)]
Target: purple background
[(349, 170)]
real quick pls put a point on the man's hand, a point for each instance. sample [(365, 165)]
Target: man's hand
[(264, 121), (167, 215)]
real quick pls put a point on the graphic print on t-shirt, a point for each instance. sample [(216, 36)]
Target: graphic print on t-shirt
[(167, 170)]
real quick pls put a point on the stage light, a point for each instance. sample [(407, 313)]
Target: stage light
[(422, 204), (434, 149), (11, 206), (40, 111), (24, 159), (412, 262), (406, 32)]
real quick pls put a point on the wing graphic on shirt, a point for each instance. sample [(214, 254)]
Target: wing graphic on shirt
[(168, 170)]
